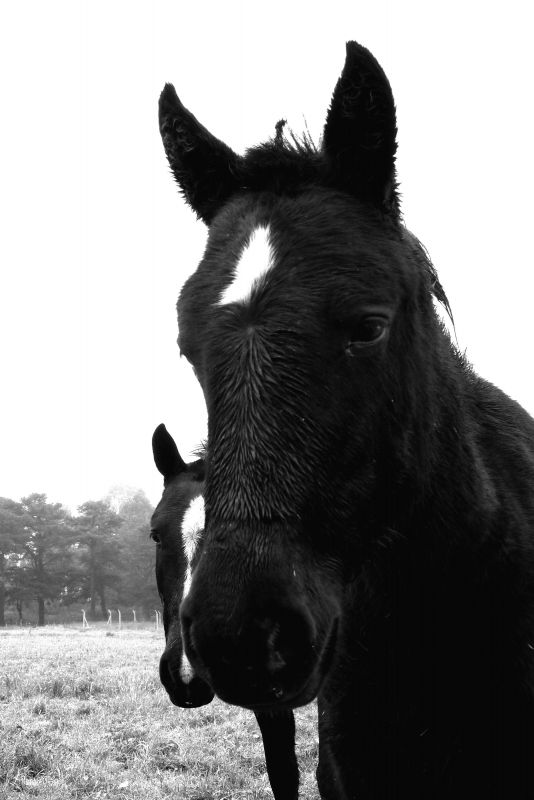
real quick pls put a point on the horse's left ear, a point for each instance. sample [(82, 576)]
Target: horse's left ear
[(166, 456), (359, 137), (204, 167)]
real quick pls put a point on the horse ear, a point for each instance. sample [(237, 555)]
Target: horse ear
[(166, 456), (204, 167), (360, 130)]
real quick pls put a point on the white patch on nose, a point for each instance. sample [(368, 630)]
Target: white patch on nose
[(253, 264), (192, 527), (187, 672)]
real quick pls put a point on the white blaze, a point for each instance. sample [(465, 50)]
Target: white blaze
[(192, 527), (253, 264)]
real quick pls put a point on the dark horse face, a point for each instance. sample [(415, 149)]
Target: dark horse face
[(306, 322), (176, 527)]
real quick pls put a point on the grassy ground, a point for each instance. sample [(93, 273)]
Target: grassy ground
[(83, 715)]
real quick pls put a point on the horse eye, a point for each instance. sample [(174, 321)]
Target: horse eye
[(367, 331), (154, 535)]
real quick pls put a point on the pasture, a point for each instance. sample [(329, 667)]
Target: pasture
[(83, 715)]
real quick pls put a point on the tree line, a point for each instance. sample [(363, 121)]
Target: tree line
[(100, 556)]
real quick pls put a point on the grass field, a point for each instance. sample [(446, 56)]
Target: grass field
[(83, 715)]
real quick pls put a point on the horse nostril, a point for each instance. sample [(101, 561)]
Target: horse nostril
[(275, 661), (275, 658), (287, 640)]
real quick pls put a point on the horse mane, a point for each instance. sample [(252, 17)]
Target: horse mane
[(201, 450), (283, 164), (436, 288)]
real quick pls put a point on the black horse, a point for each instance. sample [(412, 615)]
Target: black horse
[(177, 528), (369, 499)]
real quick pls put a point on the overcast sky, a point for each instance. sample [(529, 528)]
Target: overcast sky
[(96, 240)]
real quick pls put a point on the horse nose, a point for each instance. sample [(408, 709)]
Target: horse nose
[(190, 693), (260, 659)]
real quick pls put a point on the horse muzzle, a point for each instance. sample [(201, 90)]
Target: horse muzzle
[(262, 662)]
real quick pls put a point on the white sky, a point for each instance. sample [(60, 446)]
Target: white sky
[(96, 241)]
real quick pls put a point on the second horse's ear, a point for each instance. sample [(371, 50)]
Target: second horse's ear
[(166, 456), (359, 139), (205, 169)]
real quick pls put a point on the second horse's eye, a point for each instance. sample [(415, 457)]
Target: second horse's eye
[(367, 331), (154, 535)]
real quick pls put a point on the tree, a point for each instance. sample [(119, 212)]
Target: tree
[(138, 587), (44, 567), (98, 551), (120, 495), (12, 539)]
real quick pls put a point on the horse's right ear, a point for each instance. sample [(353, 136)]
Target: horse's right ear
[(205, 168), (168, 460)]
